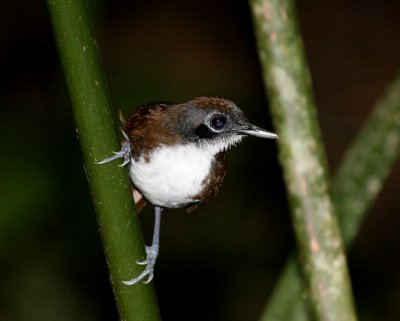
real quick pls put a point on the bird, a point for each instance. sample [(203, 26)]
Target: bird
[(176, 156)]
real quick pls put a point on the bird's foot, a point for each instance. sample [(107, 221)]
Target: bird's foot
[(150, 261), (124, 153)]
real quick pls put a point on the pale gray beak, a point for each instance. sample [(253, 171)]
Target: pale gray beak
[(253, 130)]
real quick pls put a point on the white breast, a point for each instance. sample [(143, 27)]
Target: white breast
[(173, 175)]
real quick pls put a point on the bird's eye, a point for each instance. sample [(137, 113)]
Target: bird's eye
[(218, 121)]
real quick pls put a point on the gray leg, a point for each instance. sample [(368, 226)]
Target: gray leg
[(151, 251)]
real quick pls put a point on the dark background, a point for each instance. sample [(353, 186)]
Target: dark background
[(221, 262)]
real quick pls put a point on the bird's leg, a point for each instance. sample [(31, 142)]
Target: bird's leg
[(124, 153), (151, 251)]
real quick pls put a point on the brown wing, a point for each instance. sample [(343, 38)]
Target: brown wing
[(138, 198), (213, 182), (145, 129)]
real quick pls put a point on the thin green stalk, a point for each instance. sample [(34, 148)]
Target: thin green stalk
[(356, 185), (290, 299), (118, 224), (301, 155), (367, 163)]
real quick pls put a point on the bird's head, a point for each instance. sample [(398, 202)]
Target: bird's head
[(213, 123)]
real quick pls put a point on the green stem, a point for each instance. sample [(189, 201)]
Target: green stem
[(357, 183), (367, 163), (289, 299), (302, 157), (119, 226)]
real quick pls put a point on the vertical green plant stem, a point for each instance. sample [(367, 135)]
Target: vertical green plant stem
[(367, 163), (118, 224), (301, 154), (356, 185), (289, 300)]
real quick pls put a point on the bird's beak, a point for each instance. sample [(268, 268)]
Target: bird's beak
[(252, 130)]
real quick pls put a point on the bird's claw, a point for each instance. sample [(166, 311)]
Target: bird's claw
[(124, 153), (150, 261), (144, 262)]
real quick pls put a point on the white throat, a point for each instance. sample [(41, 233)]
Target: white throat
[(175, 175)]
